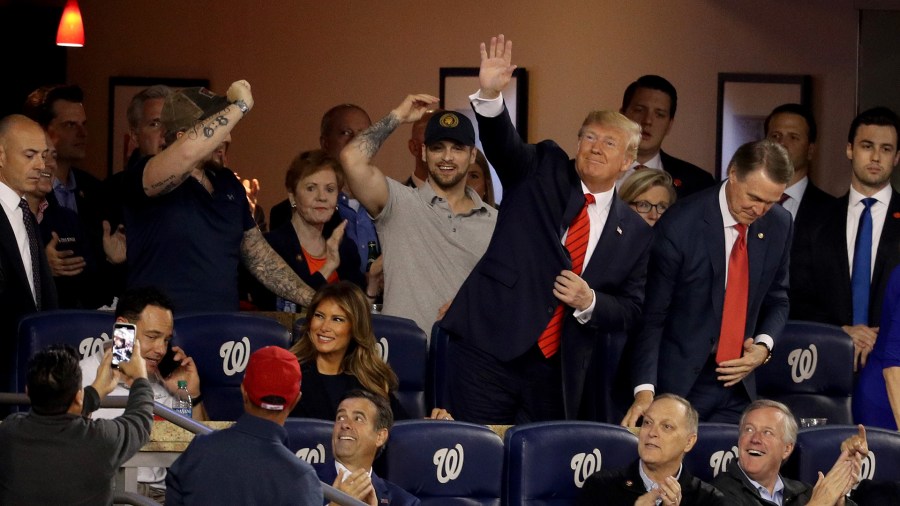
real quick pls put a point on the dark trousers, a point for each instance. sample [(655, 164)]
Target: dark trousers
[(713, 401), (487, 391)]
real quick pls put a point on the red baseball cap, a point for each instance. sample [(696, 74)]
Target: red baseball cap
[(272, 372)]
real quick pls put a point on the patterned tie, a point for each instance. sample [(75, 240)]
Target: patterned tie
[(31, 229), (783, 199), (862, 265), (576, 242), (734, 312)]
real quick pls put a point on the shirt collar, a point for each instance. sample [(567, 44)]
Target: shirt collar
[(727, 219), (9, 198), (653, 163), (428, 195), (69, 185), (649, 484), (777, 491), (796, 190), (602, 199), (883, 196), (341, 467)]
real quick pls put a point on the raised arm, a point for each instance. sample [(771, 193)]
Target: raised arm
[(365, 180), (165, 171), (496, 67), (271, 270)]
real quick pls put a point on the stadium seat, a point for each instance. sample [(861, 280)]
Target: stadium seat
[(811, 371), (548, 462), (716, 446), (445, 462), (84, 330), (818, 448), (221, 345), (310, 439)]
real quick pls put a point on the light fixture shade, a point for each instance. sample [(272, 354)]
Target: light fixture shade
[(71, 29)]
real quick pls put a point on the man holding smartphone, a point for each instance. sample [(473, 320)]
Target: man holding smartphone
[(150, 311)]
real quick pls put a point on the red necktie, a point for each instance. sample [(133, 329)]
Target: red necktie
[(576, 242), (734, 313)]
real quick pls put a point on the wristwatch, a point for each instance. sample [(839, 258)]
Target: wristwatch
[(769, 350), (242, 106)]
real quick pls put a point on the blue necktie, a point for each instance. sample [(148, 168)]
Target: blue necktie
[(862, 265)]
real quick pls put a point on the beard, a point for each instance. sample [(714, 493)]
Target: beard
[(446, 181)]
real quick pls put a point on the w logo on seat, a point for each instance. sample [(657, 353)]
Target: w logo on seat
[(719, 460), (235, 355), (92, 345), (449, 462), (312, 455), (382, 345), (584, 465), (867, 468), (803, 363)]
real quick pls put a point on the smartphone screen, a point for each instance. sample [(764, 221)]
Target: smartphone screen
[(123, 342)]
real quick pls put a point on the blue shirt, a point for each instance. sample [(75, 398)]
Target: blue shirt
[(247, 463), (360, 227), (188, 241)]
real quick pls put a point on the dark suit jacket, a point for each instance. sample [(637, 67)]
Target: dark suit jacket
[(319, 402), (687, 177), (740, 492), (821, 290), (280, 214), (686, 290), (388, 494), (814, 207), (16, 300), (506, 302), (624, 486)]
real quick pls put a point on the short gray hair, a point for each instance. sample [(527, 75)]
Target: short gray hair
[(766, 155), (693, 418), (790, 423)]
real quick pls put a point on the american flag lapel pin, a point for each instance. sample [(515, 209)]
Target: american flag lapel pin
[(619, 230)]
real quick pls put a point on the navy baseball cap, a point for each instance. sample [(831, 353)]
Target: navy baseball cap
[(450, 125)]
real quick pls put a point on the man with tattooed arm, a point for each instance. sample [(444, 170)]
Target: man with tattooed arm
[(188, 220)]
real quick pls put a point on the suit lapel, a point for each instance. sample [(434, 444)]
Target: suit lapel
[(715, 250), (605, 251), (11, 251), (756, 256)]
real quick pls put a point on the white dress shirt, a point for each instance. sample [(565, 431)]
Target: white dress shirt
[(879, 213), (9, 200)]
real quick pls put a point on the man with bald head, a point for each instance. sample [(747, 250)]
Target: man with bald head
[(26, 283)]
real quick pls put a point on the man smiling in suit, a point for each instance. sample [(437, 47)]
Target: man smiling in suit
[(717, 289), (567, 262)]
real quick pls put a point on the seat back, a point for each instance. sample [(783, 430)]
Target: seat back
[(716, 446), (811, 371), (819, 447), (84, 330), (445, 463), (310, 439), (548, 462), (404, 346), (221, 345)]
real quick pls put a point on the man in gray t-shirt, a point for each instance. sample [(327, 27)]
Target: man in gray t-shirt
[(431, 236)]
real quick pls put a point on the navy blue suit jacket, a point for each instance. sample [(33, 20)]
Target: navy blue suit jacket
[(687, 178), (388, 494), (821, 289), (506, 302), (686, 290)]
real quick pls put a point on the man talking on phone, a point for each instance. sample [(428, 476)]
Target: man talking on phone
[(150, 310)]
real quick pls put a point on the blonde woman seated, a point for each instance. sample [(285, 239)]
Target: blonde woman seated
[(337, 353), (649, 192)]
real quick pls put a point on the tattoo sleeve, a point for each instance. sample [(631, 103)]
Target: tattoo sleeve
[(271, 270), (372, 138)]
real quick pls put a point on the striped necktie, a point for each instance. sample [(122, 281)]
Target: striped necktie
[(576, 242)]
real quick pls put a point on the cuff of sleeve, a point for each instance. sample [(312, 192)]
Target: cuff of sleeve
[(91, 400), (489, 108), (585, 316), (766, 340), (644, 386)]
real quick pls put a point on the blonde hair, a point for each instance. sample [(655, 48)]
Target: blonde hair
[(642, 180), (616, 120)]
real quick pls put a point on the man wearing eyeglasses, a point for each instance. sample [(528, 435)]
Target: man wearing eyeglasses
[(716, 294)]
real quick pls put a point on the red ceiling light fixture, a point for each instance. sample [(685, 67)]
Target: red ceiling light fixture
[(71, 29)]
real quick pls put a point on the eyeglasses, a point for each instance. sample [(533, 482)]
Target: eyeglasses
[(644, 207)]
